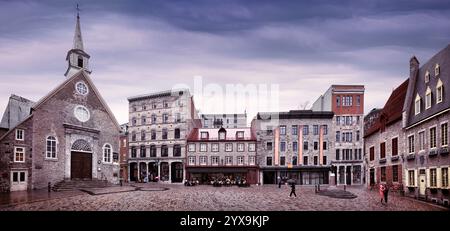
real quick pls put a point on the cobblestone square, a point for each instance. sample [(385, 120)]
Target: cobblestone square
[(161, 197)]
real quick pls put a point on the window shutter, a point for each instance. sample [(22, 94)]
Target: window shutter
[(428, 177), (415, 178), (438, 178)]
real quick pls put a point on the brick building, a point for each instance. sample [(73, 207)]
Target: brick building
[(426, 115), (347, 104), (123, 152), (68, 134), (158, 129), (294, 145), (218, 153), (384, 141)]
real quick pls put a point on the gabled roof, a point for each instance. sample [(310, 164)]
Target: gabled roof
[(67, 81), (16, 111)]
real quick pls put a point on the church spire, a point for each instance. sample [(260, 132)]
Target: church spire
[(77, 39), (76, 57)]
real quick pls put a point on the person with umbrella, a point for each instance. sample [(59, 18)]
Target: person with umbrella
[(292, 182)]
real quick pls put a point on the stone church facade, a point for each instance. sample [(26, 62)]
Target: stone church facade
[(69, 134)]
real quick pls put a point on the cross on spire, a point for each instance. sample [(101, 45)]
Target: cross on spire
[(78, 11)]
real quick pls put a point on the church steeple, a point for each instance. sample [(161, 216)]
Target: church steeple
[(77, 58)]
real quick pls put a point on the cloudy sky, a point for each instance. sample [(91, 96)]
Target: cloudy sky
[(298, 47)]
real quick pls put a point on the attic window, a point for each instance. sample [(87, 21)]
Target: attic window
[(427, 77), (417, 105), (80, 61), (439, 91), (204, 135), (437, 69), (428, 98)]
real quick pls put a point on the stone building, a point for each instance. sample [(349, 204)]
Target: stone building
[(425, 121), (384, 142), (217, 153), (224, 120), (294, 145), (347, 103), (68, 134), (158, 129), (123, 152)]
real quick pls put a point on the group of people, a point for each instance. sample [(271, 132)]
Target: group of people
[(191, 182), (226, 181)]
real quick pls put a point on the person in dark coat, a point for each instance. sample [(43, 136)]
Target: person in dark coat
[(293, 190), (385, 193), (279, 182)]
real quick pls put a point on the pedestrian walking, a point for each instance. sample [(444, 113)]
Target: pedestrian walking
[(293, 190), (385, 192), (279, 182), (381, 192)]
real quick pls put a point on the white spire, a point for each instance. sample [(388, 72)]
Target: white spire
[(77, 39)]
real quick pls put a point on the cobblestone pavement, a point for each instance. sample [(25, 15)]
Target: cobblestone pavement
[(208, 198)]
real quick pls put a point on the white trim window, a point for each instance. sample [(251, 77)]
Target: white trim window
[(228, 160), (428, 98), (437, 70), (222, 135), (214, 160), (444, 134), (203, 147), (51, 143), (82, 88), (411, 144), (240, 134), (433, 177), (240, 160), (228, 147), (421, 140), (252, 160), (417, 105), (439, 91), (81, 113), (20, 134), (191, 147), (203, 135), (251, 147), (433, 137), (215, 147), (19, 154), (412, 178), (107, 153), (18, 178), (427, 76), (240, 147), (282, 129), (192, 160), (444, 177), (203, 160)]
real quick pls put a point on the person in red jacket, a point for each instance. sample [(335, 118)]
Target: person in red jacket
[(381, 192)]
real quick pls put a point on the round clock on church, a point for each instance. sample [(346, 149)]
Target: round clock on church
[(81, 88), (82, 113)]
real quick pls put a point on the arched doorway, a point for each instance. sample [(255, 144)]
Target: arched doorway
[(177, 172), (81, 160)]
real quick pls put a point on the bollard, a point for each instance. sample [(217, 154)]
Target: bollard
[(49, 186)]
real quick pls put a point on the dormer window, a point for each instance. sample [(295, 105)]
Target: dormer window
[(437, 70), (240, 135), (204, 135), (427, 77), (439, 91), (428, 98), (417, 104), (222, 134), (80, 61)]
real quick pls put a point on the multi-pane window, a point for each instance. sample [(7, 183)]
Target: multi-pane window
[(107, 151), (153, 150), (282, 130), (143, 120), (215, 147), (294, 160), (19, 154), (383, 150), (282, 146), (433, 177), (142, 135), (305, 145), (153, 119), (338, 120), (228, 160), (240, 147), (164, 151), (338, 154), (222, 135), (395, 173), (282, 160), (439, 92), (315, 160), (143, 151), (324, 160), (325, 129), (338, 136), (315, 129), (133, 152), (421, 140), (203, 135), (214, 160), (437, 70), (177, 133), (269, 161), (177, 118), (19, 134), (444, 134), (51, 147), (294, 146), (305, 130), (18, 176), (165, 118), (305, 160), (203, 147), (240, 135), (203, 160), (164, 134), (357, 135), (433, 137), (240, 160), (383, 174), (192, 160), (177, 150), (358, 100), (395, 146), (251, 147), (428, 99), (411, 144), (251, 160), (411, 177), (269, 146), (228, 147), (347, 101), (191, 147), (316, 145), (372, 153), (417, 105), (294, 130), (444, 172)]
